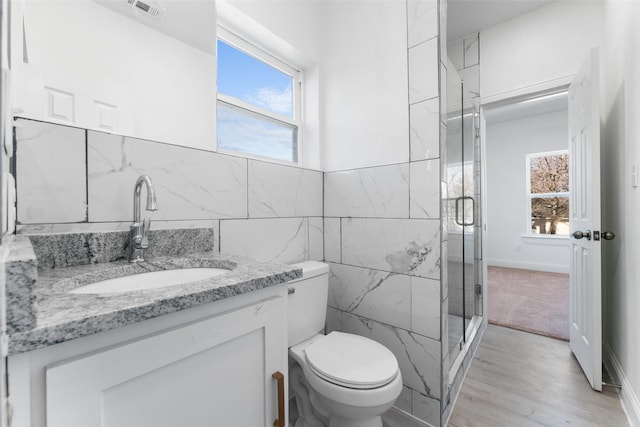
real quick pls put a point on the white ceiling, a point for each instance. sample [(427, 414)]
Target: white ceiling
[(465, 17)]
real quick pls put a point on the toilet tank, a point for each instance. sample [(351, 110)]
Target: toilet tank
[(307, 301)]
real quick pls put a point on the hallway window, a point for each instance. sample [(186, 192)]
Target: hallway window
[(548, 192), (258, 101)]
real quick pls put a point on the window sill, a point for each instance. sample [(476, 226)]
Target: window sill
[(548, 240)]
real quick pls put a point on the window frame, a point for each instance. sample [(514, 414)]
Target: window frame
[(531, 195), (234, 103)]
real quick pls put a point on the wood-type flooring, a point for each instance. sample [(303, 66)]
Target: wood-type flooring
[(518, 379)]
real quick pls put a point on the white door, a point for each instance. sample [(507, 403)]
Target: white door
[(585, 279)]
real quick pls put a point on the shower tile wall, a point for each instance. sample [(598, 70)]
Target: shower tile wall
[(73, 180), (423, 117), (385, 278), (465, 56), (382, 235)]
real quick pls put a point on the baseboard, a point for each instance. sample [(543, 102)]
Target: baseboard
[(507, 263), (628, 396)]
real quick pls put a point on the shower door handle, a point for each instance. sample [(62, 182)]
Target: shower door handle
[(461, 220)]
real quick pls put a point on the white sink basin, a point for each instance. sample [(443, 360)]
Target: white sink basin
[(151, 280)]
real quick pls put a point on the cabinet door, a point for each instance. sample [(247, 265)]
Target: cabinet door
[(214, 372)]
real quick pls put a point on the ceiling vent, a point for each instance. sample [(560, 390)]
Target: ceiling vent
[(147, 8)]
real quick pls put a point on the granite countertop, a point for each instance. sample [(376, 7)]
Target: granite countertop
[(62, 316)]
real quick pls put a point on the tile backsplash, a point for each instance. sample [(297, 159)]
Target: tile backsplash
[(53, 189), (73, 180), (190, 184)]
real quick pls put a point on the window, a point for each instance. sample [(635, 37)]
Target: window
[(258, 100), (548, 191)]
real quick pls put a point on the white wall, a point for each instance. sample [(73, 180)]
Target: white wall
[(508, 143), (295, 22), (290, 30), (88, 66), (540, 47), (364, 84), (148, 84), (621, 201)]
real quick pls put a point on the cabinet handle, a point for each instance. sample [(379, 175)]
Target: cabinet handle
[(279, 422)]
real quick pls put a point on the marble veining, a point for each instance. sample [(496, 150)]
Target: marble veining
[(424, 119), (377, 295), (471, 50), (381, 191), (423, 71), (418, 356), (422, 20), (409, 246), (266, 239), (283, 191), (189, 183), (426, 408), (425, 307), (425, 189), (316, 238), (50, 173), (62, 316)]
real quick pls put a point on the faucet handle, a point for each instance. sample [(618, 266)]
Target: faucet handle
[(144, 242)]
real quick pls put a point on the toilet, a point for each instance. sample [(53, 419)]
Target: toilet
[(338, 379)]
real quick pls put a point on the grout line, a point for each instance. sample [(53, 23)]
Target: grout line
[(86, 174)]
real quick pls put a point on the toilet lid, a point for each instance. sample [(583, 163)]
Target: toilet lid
[(352, 361)]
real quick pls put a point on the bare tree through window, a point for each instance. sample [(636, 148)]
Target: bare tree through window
[(549, 192)]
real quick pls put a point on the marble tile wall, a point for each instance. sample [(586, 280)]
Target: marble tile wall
[(190, 184), (57, 154), (382, 236), (465, 56), (375, 192), (74, 181)]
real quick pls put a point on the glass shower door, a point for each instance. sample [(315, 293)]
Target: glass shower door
[(454, 208), (467, 220), (462, 210)]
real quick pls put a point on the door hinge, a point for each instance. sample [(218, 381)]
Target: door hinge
[(478, 290)]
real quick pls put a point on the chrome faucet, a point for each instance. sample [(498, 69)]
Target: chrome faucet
[(139, 231)]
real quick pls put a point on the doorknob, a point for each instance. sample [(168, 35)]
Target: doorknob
[(608, 235), (580, 234)]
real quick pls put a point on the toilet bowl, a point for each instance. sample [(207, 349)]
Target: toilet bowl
[(338, 379)]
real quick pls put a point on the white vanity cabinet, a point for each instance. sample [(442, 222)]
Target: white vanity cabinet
[(207, 366)]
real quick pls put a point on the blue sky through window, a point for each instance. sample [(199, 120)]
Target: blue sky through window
[(242, 129), (245, 132), (251, 80)]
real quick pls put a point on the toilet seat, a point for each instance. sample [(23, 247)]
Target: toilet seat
[(351, 361)]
